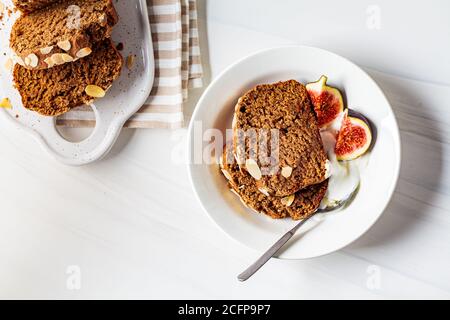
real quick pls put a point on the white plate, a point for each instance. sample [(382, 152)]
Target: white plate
[(124, 98), (378, 180)]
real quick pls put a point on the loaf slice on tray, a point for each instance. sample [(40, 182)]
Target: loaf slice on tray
[(297, 206), (27, 6), (296, 153), (62, 32), (55, 91)]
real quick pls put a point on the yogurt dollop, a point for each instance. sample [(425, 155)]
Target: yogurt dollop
[(344, 176)]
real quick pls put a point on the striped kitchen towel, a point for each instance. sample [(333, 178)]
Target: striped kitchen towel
[(178, 68)]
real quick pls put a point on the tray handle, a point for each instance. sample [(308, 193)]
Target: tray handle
[(93, 148)]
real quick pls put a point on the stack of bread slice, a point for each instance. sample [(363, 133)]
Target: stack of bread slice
[(294, 183), (65, 57)]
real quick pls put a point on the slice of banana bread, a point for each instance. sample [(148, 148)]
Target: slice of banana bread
[(296, 155), (27, 6), (62, 32), (297, 206), (57, 90)]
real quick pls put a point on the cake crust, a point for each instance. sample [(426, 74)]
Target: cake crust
[(28, 6), (55, 35)]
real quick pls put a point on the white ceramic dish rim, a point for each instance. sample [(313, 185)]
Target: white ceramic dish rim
[(108, 131), (262, 52)]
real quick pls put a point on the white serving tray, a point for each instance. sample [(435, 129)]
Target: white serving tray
[(123, 99)]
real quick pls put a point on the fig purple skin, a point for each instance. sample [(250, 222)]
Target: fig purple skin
[(359, 115)]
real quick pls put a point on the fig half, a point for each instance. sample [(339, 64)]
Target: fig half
[(354, 138), (327, 101)]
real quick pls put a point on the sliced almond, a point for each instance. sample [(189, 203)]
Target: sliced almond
[(65, 45), (46, 50), (236, 158), (94, 91), (264, 191), (57, 59), (66, 57), (226, 174), (19, 60), (34, 60), (9, 64), (286, 171), (5, 103), (31, 60), (287, 201), (49, 62), (253, 168), (239, 156), (130, 61), (83, 52)]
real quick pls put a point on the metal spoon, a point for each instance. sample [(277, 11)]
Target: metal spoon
[(280, 243)]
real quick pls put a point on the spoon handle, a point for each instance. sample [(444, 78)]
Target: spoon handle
[(270, 253)]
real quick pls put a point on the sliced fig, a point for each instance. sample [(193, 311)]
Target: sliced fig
[(327, 101), (354, 138)]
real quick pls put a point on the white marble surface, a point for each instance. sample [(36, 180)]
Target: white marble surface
[(130, 223)]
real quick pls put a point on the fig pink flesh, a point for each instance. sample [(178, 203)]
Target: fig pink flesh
[(352, 139), (326, 106), (327, 101)]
